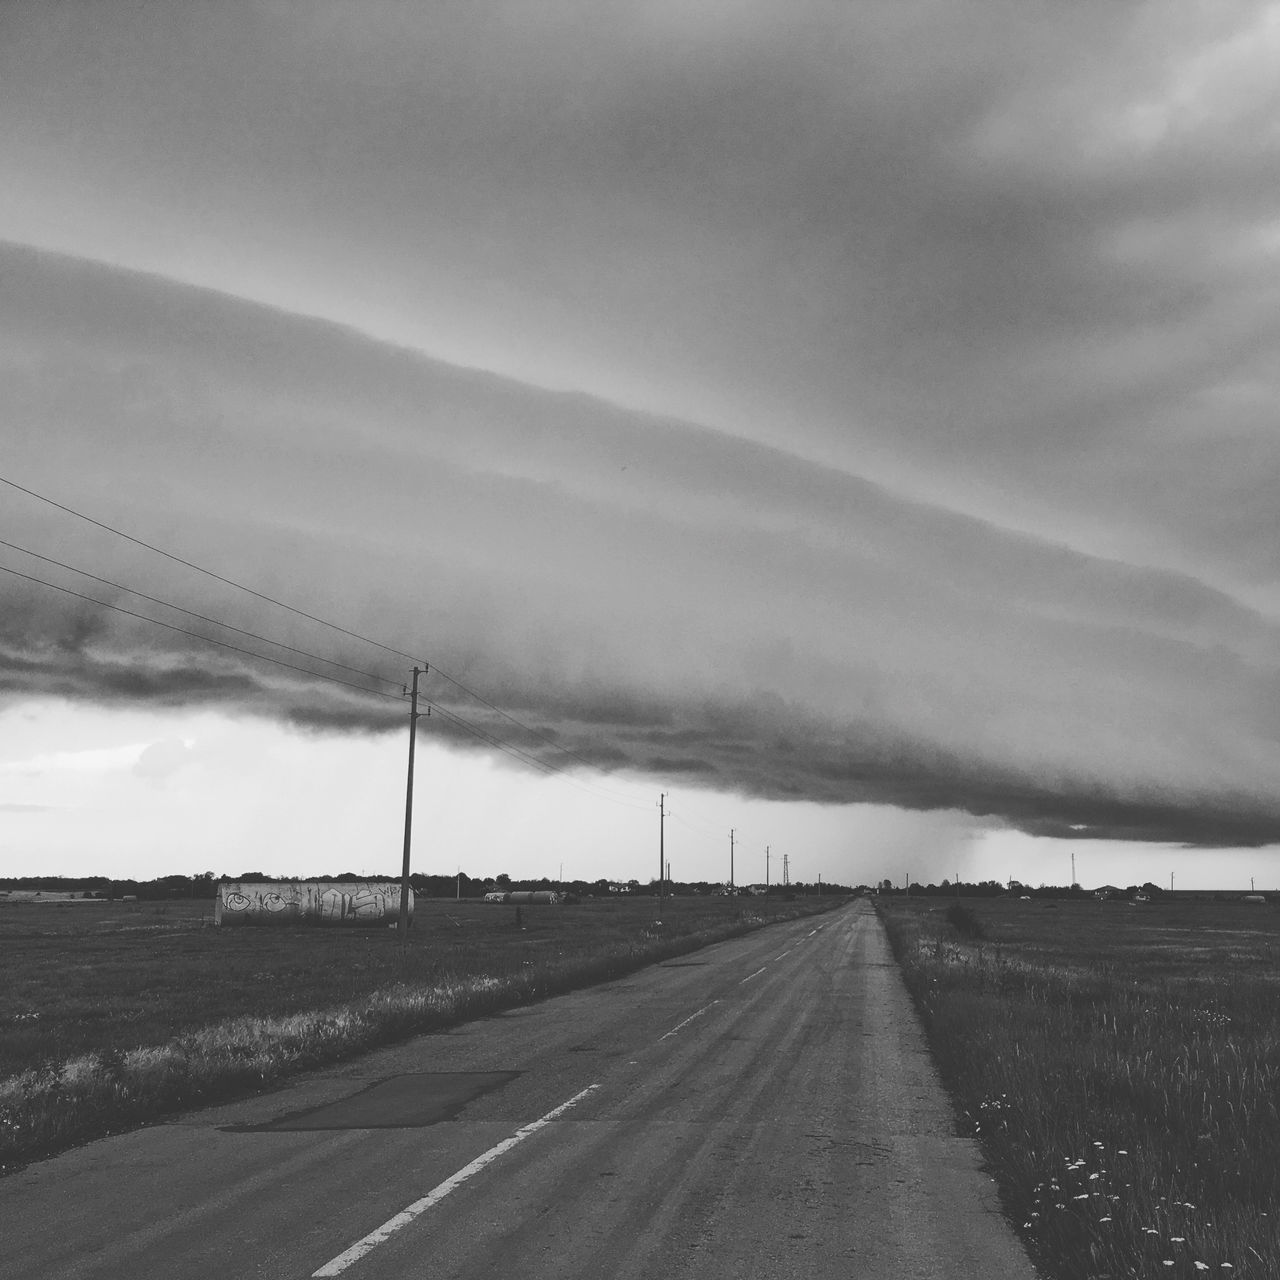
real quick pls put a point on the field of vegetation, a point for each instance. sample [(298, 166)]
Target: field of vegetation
[(1120, 1065), (115, 1013)]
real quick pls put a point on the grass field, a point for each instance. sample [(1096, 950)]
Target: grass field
[(114, 1013), (1121, 1067)]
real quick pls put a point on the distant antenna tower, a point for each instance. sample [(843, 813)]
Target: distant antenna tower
[(786, 868)]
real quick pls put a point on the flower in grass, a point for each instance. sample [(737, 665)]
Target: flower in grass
[(1202, 1266), (1177, 1239)]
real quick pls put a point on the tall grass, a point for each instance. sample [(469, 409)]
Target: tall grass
[(1129, 1108), (56, 1101)]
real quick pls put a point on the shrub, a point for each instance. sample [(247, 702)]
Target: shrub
[(965, 923)]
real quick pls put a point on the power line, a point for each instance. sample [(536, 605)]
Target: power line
[(209, 573), (195, 635), (142, 595)]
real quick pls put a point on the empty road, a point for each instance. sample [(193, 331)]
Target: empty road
[(763, 1108)]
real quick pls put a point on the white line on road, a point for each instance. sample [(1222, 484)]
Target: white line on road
[(357, 1251), (686, 1022), (757, 973), (787, 952)]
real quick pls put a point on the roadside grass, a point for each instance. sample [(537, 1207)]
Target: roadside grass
[(116, 1014), (1121, 1068)]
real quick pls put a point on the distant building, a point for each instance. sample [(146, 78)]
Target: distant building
[(275, 902)]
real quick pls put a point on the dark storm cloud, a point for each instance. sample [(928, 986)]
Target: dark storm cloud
[(1017, 261), (639, 593)]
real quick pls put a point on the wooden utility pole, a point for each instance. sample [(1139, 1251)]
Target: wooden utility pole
[(766, 866), (730, 857), (662, 860), (403, 924)]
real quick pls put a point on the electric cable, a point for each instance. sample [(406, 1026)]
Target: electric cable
[(222, 644), (168, 555), (142, 595)]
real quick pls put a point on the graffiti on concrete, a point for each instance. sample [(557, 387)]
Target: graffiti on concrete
[(308, 902)]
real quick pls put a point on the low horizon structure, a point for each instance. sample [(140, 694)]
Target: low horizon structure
[(322, 902)]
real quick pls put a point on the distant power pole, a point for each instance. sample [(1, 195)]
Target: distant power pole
[(786, 869), (766, 866), (1073, 869), (730, 857), (403, 923)]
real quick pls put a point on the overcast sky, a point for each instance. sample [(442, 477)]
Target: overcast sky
[(858, 420)]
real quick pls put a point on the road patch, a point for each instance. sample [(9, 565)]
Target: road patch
[(403, 1102)]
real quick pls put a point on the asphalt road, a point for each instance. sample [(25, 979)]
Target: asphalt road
[(763, 1108)]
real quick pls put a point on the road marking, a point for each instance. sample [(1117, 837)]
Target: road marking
[(338, 1265), (757, 973), (787, 952), (686, 1022)]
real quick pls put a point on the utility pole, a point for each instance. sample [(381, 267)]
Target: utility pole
[(766, 866), (662, 863), (730, 857), (786, 870), (1073, 869), (403, 924)]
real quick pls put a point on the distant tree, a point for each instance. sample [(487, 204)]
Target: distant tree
[(504, 880)]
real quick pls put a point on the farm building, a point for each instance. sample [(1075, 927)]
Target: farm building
[(324, 902)]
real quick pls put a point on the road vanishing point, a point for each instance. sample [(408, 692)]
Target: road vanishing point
[(765, 1107)]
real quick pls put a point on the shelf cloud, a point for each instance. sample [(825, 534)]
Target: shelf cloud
[(635, 592), (867, 403)]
